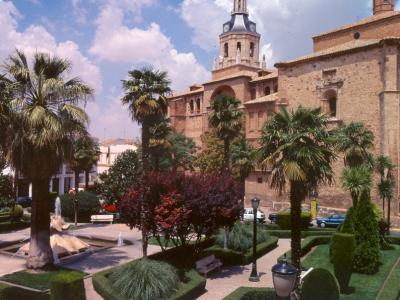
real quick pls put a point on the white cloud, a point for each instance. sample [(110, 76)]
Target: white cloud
[(286, 26), (117, 42), (37, 39)]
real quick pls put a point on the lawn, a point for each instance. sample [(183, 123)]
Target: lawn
[(366, 287), (39, 280)]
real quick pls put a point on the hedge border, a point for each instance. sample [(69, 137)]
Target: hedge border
[(307, 244), (286, 234), (12, 292), (239, 293), (190, 290), (11, 226), (232, 258), (393, 239)]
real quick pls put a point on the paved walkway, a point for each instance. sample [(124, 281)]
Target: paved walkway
[(221, 284)]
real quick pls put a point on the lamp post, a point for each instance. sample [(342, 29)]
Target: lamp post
[(284, 279), (255, 202)]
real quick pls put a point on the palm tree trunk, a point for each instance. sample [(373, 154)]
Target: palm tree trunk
[(354, 197), (383, 207), (75, 196), (297, 195), (86, 179), (40, 253), (226, 155), (388, 214), (145, 162)]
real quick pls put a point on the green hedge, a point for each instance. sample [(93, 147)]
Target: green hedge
[(88, 204), (320, 284), (10, 226), (393, 239), (192, 288), (286, 234), (284, 220), (307, 244), (234, 258), (68, 286), (10, 292), (247, 293)]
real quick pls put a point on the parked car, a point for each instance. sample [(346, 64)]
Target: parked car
[(248, 215), (24, 201), (331, 221)]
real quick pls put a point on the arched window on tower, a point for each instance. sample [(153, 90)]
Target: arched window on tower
[(239, 5), (275, 88), (198, 105), (191, 106), (251, 49), (239, 46), (331, 98), (267, 91), (226, 50)]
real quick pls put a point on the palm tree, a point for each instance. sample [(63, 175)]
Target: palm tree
[(47, 119), (227, 120), (355, 141), (297, 148), (146, 93), (384, 167), (182, 154), (357, 180)]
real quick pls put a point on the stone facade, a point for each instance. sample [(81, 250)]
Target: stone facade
[(353, 74)]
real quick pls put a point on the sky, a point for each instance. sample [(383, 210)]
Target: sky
[(104, 39)]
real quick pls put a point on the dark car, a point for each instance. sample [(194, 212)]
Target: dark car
[(273, 217), (24, 201), (331, 221)]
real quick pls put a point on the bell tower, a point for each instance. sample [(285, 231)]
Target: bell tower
[(239, 42), (382, 6)]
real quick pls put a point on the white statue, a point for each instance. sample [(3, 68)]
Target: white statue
[(238, 56), (57, 207)]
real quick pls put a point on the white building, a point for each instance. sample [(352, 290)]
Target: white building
[(110, 150)]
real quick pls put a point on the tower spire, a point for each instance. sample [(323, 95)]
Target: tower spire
[(382, 6), (240, 7)]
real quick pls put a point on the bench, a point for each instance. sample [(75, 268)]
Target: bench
[(102, 218), (208, 264)]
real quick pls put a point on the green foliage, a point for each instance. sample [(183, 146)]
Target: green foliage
[(7, 194), (122, 175), (284, 220), (348, 224), (17, 212), (211, 158), (367, 254), (243, 158), (252, 294), (320, 284), (67, 286), (307, 245), (146, 280), (240, 238), (357, 180), (342, 250), (88, 204), (11, 292)]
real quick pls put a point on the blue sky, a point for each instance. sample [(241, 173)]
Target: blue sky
[(106, 38)]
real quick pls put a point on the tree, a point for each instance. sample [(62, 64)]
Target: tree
[(211, 158), (384, 167), (357, 180), (297, 148), (355, 141), (227, 121), (182, 153), (145, 94), (47, 117), (6, 185), (123, 174)]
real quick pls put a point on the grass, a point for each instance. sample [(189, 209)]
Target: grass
[(262, 293), (39, 280), (391, 290), (366, 287)]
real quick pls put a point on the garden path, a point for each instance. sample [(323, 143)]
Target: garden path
[(221, 284)]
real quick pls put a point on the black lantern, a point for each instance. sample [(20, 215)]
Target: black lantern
[(255, 202), (284, 278)]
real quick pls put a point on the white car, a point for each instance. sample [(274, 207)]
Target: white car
[(248, 215)]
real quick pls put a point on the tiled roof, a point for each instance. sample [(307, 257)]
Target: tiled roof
[(338, 50), (187, 93), (370, 19), (274, 74)]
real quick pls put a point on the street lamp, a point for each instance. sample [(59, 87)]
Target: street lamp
[(255, 202), (284, 279)]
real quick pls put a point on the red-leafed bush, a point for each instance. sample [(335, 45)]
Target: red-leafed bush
[(182, 207), (112, 209)]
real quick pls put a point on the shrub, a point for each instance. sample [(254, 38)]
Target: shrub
[(88, 205), (240, 238), (146, 280), (343, 246), (284, 221), (17, 212), (67, 285), (348, 224), (367, 254), (259, 295), (320, 284)]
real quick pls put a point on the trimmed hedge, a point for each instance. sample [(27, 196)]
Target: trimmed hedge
[(88, 204), (284, 220), (393, 239), (286, 234), (192, 288), (307, 244), (10, 292), (67, 286), (320, 284), (234, 258), (10, 226), (248, 293)]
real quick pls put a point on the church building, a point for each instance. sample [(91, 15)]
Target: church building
[(353, 74)]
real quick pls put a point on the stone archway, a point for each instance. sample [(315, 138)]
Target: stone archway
[(223, 90)]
